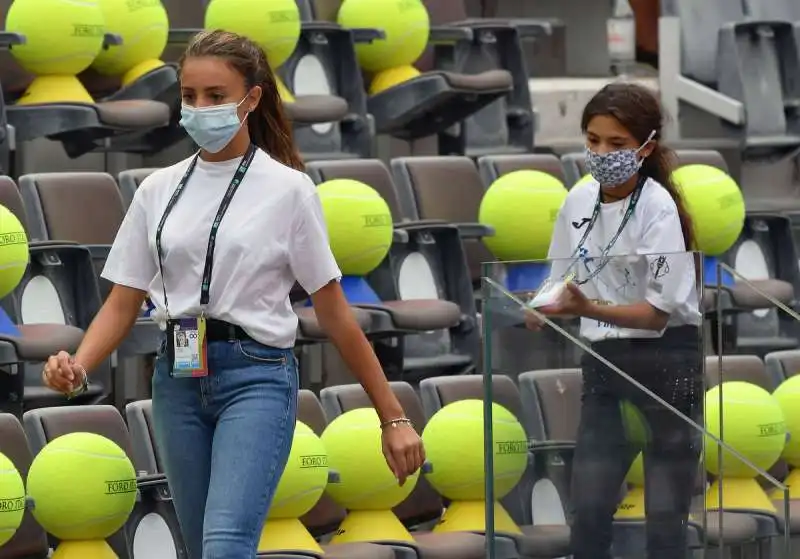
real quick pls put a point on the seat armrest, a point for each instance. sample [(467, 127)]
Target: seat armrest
[(527, 28), (449, 34), (474, 230), (399, 236), (181, 36), (111, 40), (149, 481), (8, 39), (366, 35), (424, 225)]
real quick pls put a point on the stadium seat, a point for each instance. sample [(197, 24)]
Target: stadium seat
[(538, 539), (447, 189), (782, 365), (423, 285), (129, 182), (553, 398), (492, 167), (44, 425), (424, 505), (30, 541)]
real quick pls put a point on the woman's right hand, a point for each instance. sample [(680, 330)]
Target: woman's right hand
[(62, 374), (533, 322)]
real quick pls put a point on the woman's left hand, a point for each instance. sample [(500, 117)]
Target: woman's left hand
[(572, 302), (403, 450)]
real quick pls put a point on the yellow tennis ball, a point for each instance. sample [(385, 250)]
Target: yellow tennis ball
[(273, 24), (715, 203), (14, 255), (454, 439), (63, 37), (304, 479), (143, 26), (83, 486), (636, 472), (359, 224), (387, 79), (12, 499), (753, 424), (353, 442), (788, 397), (522, 207), (405, 22), (585, 179)]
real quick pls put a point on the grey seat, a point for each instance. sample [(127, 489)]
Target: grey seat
[(30, 541), (129, 181), (447, 189), (421, 506), (492, 167), (537, 539), (46, 424), (422, 287), (782, 365)]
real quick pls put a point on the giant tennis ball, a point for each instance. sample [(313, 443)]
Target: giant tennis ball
[(454, 439), (753, 425), (522, 208), (636, 472), (12, 499), (273, 24), (359, 225), (715, 203), (143, 26), (585, 179), (353, 442), (304, 479), (405, 23), (63, 37), (14, 255), (83, 486), (788, 397)]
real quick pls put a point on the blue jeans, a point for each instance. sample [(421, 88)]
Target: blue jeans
[(223, 442)]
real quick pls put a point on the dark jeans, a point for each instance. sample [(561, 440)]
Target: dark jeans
[(671, 367)]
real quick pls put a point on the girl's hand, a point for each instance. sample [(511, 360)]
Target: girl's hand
[(403, 450), (572, 302)]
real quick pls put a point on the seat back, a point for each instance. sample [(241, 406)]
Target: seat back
[(782, 365), (324, 64), (737, 368), (326, 515), (12, 200), (130, 180), (30, 541), (423, 504), (492, 167), (552, 397), (139, 416), (85, 208), (183, 14), (787, 10), (446, 188)]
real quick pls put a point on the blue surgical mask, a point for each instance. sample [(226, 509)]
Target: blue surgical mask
[(616, 167), (212, 128)]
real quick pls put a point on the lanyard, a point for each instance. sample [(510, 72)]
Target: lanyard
[(634, 200), (205, 286)]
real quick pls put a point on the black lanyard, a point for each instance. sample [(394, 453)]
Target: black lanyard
[(634, 200), (205, 286)]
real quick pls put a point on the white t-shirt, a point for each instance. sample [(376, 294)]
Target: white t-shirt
[(272, 235), (655, 267)]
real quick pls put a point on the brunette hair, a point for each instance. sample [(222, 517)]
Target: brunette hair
[(638, 110), (269, 128)]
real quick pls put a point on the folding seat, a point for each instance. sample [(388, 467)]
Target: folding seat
[(139, 537), (538, 539), (130, 180), (140, 421), (492, 167), (782, 365), (30, 541), (552, 400), (447, 189), (422, 286)]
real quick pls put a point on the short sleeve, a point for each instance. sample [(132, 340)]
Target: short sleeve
[(310, 255), (560, 250), (130, 262), (671, 270)]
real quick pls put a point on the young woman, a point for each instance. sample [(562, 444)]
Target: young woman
[(217, 241), (640, 313)]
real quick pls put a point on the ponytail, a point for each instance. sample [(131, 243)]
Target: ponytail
[(658, 166)]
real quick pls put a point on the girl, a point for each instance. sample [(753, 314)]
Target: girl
[(217, 241), (639, 312)]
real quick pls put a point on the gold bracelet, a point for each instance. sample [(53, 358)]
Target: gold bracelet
[(396, 422)]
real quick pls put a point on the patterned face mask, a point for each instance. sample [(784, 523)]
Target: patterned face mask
[(616, 167)]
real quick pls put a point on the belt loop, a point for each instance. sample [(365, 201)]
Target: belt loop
[(232, 333)]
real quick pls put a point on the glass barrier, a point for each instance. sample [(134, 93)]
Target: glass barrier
[(606, 424)]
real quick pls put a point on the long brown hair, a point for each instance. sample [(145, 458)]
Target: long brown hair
[(269, 128), (638, 110)]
